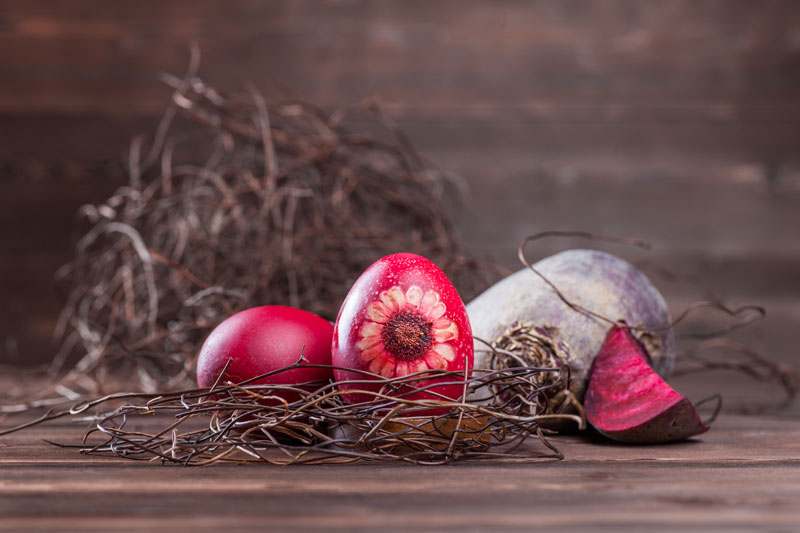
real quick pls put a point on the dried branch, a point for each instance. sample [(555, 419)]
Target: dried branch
[(315, 423)]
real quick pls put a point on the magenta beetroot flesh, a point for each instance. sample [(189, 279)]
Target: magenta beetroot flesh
[(627, 400)]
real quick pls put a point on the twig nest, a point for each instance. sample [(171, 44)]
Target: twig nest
[(594, 280), (524, 344)]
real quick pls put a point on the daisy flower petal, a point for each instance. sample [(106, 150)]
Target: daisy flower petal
[(445, 351), (414, 296), (368, 342), (402, 369), (388, 368), (372, 352), (434, 361), (429, 300), (441, 323), (437, 311), (370, 329), (378, 313), (393, 299), (444, 333), (376, 365)]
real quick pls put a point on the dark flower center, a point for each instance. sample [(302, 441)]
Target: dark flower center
[(407, 336)]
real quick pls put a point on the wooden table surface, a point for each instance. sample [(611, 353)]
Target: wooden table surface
[(743, 474)]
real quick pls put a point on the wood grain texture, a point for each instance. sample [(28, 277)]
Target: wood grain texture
[(469, 55), (674, 121), (744, 473)]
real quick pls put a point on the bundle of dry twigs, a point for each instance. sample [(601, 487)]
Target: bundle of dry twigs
[(236, 203), (313, 423)]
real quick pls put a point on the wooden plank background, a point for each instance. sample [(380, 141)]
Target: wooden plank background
[(676, 121)]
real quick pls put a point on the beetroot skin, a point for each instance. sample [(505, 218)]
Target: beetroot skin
[(595, 280), (627, 401)]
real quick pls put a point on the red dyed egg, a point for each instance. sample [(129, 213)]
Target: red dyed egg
[(264, 339), (403, 315)]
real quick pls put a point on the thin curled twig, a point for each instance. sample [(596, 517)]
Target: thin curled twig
[(725, 354)]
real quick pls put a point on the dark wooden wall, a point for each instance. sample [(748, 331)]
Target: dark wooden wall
[(677, 121)]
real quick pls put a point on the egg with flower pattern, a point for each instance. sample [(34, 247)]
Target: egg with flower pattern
[(403, 316)]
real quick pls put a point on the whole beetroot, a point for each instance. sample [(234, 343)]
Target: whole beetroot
[(594, 280)]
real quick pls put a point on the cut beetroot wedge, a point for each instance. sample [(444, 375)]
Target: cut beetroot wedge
[(627, 401)]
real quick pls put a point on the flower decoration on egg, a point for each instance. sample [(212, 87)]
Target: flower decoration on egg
[(406, 331), (402, 316)]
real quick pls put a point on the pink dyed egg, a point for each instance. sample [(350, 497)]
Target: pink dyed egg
[(263, 339), (403, 315)]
